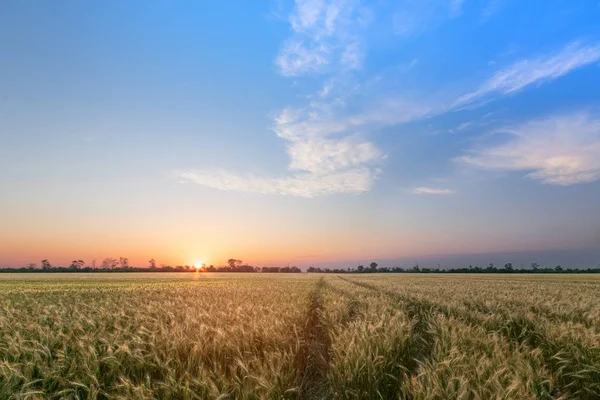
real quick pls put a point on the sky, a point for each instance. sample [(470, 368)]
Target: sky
[(307, 132)]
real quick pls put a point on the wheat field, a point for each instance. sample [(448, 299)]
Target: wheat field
[(299, 336)]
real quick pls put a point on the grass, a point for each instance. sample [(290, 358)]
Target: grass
[(263, 336)]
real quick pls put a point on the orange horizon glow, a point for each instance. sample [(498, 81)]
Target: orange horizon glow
[(270, 247)]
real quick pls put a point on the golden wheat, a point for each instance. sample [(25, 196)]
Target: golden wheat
[(267, 336)]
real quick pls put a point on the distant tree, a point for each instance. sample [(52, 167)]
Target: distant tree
[(535, 266), (558, 268), (46, 265), (152, 263), (360, 268), (373, 266), (31, 266), (94, 263), (508, 267), (416, 268), (109, 263), (77, 264), (233, 263), (124, 262)]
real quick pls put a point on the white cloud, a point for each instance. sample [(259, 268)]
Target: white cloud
[(558, 150), (298, 57), (326, 35), (354, 180), (535, 71), (327, 87), (429, 190), (326, 153), (395, 110)]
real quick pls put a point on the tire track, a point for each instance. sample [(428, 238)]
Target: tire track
[(312, 362), (424, 335), (575, 368)]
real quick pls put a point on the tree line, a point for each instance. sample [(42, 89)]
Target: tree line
[(121, 264), (234, 265), (490, 269)]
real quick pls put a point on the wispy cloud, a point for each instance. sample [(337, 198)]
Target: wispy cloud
[(328, 154), (326, 157), (327, 151), (462, 127), (325, 138), (558, 150), (354, 180), (326, 35), (536, 70), (430, 190)]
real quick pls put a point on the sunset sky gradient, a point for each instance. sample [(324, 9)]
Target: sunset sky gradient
[(314, 132)]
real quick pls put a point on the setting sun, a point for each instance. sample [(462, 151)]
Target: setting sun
[(198, 265)]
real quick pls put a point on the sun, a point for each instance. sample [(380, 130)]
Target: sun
[(199, 264)]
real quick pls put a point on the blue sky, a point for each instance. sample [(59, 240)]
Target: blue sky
[(306, 132)]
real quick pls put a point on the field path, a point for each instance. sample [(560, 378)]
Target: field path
[(313, 358)]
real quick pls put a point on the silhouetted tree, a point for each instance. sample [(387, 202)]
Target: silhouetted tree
[(152, 263), (46, 265), (77, 264), (109, 263), (233, 263), (508, 267), (360, 268), (373, 266), (124, 262), (558, 268)]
